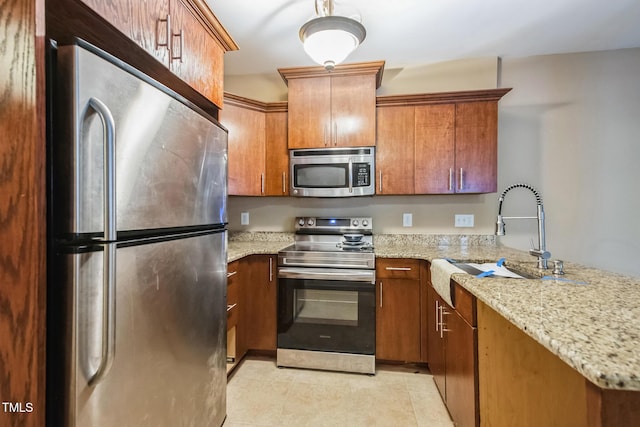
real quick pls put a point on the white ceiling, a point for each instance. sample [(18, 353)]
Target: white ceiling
[(407, 33)]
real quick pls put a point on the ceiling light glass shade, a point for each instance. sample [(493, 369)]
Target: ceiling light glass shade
[(328, 40)]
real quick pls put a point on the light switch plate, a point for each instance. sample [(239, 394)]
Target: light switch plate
[(407, 220), (244, 218), (463, 220)]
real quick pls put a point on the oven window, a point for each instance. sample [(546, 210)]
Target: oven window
[(326, 307), (327, 315), (321, 176)]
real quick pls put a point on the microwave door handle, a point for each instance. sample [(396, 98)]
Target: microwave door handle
[(350, 175)]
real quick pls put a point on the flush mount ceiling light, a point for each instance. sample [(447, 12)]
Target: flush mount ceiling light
[(329, 39)]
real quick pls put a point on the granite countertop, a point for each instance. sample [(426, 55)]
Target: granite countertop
[(589, 318), (254, 243)]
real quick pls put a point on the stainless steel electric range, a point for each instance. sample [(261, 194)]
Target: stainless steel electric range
[(326, 296)]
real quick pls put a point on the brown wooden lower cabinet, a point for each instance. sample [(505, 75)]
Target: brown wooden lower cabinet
[(258, 314), (398, 310), (235, 349), (521, 383), (453, 355)]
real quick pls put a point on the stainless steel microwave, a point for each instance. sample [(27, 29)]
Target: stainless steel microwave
[(333, 172)]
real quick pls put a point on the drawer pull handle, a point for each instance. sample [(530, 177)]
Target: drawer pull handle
[(231, 273), (398, 268), (230, 307)]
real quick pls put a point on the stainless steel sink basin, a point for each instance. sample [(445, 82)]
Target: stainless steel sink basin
[(474, 271)]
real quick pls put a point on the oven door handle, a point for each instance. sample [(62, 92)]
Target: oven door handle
[(308, 273)]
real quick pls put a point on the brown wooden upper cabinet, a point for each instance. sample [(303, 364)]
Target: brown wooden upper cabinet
[(336, 109), (258, 154), (445, 142), (182, 34)]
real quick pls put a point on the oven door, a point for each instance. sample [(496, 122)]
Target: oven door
[(327, 310)]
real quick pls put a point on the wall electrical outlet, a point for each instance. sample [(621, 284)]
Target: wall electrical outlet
[(244, 218), (407, 220), (463, 221)]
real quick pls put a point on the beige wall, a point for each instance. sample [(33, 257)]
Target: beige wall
[(570, 127), (464, 74)]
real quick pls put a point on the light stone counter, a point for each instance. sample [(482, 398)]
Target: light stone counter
[(254, 243), (591, 320)]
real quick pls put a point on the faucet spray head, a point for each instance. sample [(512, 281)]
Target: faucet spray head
[(500, 230)]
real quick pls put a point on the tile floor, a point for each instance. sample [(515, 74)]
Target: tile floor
[(260, 394)]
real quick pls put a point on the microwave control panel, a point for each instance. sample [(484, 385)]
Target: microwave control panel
[(361, 174)]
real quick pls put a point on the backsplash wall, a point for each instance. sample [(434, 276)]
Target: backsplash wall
[(431, 214)]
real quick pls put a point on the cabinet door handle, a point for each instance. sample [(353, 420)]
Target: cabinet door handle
[(335, 133), (284, 183), (443, 326), (380, 182), (262, 183), (178, 57), (270, 269), (327, 131), (450, 179), (231, 273), (398, 268), (167, 22), (461, 183), (230, 307), (381, 294), (437, 315), (350, 176)]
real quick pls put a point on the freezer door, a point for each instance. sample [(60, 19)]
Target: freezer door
[(168, 361), (169, 158)]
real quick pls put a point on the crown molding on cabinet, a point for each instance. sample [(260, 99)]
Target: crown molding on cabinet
[(441, 97), (203, 13), (252, 104), (358, 68)]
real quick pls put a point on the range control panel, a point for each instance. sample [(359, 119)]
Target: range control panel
[(334, 225)]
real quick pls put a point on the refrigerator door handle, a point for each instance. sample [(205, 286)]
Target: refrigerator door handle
[(110, 234), (108, 339), (109, 152)]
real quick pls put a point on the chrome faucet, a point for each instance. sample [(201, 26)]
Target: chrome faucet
[(541, 252)]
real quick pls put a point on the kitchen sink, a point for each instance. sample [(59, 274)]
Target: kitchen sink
[(475, 271)]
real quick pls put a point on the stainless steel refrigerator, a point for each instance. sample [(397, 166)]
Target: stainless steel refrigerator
[(137, 249)]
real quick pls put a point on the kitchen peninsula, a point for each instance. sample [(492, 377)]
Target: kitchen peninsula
[(588, 319)]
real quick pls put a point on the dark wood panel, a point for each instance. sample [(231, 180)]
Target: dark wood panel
[(521, 380), (22, 212), (260, 307), (426, 320), (246, 149), (435, 155), (477, 147), (277, 154), (398, 320), (465, 304), (395, 150), (462, 385), (398, 268), (309, 121), (612, 408), (66, 19), (353, 111), (437, 364), (201, 63)]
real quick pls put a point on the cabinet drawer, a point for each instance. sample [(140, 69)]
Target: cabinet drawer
[(397, 268), (233, 289), (232, 272), (232, 305), (465, 304)]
